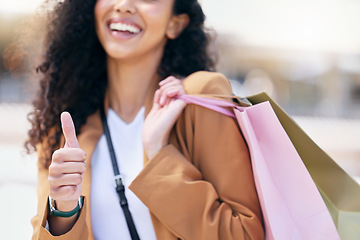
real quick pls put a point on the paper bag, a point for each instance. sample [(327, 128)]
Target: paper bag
[(340, 192)]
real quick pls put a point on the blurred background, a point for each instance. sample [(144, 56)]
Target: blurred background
[(304, 53)]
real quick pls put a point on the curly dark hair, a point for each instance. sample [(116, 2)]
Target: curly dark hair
[(74, 76)]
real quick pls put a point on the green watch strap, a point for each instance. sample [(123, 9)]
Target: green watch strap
[(71, 213)]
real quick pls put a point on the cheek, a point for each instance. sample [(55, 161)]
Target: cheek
[(157, 17), (101, 7), (97, 10)]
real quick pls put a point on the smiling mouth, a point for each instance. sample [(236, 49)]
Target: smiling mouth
[(122, 27)]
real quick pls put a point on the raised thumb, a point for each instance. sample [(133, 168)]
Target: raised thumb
[(68, 129)]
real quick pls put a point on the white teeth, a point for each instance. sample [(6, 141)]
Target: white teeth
[(124, 27)]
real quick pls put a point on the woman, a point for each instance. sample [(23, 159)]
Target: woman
[(189, 166)]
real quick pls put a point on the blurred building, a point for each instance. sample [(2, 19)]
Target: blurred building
[(305, 53), (14, 86)]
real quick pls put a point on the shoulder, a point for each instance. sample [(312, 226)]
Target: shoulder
[(207, 83)]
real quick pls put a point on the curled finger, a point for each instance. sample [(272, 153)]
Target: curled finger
[(69, 155), (65, 179), (58, 168), (64, 193), (167, 80)]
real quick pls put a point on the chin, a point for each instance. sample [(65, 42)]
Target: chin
[(117, 52)]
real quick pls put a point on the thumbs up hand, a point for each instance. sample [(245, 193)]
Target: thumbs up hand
[(67, 168)]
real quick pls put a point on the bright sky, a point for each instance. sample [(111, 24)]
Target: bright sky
[(19, 6), (325, 25)]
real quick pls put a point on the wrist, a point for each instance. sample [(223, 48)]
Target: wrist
[(152, 149), (65, 209), (65, 206)]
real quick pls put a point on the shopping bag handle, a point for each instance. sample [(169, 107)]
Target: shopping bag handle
[(217, 105)]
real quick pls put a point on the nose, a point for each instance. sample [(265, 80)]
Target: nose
[(125, 6)]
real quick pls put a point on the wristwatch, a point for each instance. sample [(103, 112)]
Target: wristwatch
[(55, 212)]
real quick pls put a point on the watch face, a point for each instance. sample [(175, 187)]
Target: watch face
[(51, 205)]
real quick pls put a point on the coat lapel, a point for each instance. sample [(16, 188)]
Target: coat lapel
[(89, 137)]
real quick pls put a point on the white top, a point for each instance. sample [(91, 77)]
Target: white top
[(108, 220)]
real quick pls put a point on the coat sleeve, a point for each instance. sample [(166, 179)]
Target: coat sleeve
[(201, 186), (38, 222)]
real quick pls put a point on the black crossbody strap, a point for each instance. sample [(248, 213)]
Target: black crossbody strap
[(120, 188)]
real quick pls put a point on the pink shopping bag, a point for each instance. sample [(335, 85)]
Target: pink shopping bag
[(292, 207)]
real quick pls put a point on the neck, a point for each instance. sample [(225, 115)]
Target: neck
[(130, 84)]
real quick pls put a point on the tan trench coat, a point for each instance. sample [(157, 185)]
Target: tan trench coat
[(200, 186)]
